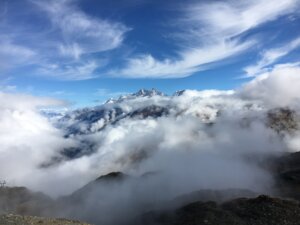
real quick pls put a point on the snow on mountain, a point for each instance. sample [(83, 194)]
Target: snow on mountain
[(140, 105), (144, 105), (140, 93)]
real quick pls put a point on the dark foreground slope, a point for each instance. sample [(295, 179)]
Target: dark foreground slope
[(288, 175), (262, 210)]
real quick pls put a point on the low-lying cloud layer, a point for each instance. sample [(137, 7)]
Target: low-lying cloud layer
[(27, 138), (203, 140)]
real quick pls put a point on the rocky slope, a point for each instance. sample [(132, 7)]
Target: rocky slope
[(262, 210), (11, 219)]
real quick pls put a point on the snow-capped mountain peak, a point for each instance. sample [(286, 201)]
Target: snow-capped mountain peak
[(179, 93), (148, 93), (141, 93)]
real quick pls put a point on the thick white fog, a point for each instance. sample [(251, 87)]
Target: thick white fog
[(208, 140)]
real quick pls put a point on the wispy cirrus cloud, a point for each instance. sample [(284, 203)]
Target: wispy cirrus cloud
[(61, 43), (66, 42), (12, 54), (80, 33), (191, 61), (271, 56), (209, 32), (70, 71)]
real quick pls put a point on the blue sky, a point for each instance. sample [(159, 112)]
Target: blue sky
[(86, 51)]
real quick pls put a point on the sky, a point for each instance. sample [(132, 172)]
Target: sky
[(85, 51)]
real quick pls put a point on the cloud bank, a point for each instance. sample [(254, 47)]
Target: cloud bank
[(27, 138), (276, 88), (206, 134)]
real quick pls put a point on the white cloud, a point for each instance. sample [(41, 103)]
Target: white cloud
[(278, 87), (232, 18), (12, 54), (271, 56), (204, 38), (72, 50), (210, 33), (191, 61), (27, 138), (67, 38), (74, 71), (19, 101), (81, 33)]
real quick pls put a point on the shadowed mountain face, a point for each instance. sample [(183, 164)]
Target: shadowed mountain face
[(84, 193), (282, 120), (262, 210), (150, 111)]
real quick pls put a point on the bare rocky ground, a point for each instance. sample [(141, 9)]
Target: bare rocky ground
[(262, 210), (10, 219)]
